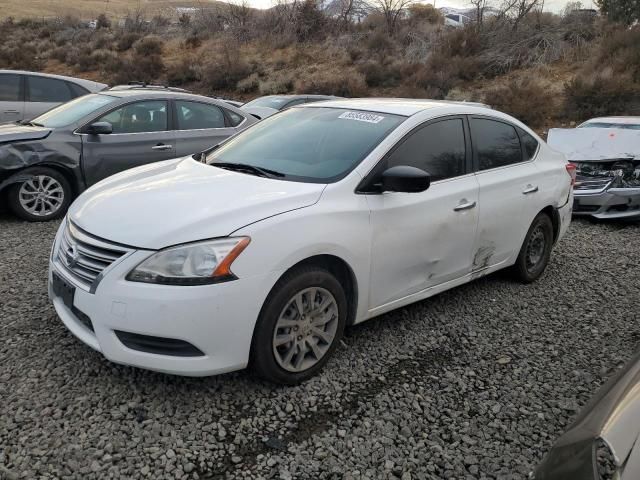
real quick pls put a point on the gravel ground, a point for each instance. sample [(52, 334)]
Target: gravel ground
[(474, 383)]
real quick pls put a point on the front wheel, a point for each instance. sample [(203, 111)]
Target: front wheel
[(46, 195), (299, 327), (536, 250)]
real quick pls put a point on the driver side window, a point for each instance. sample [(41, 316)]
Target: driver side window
[(438, 148), (138, 117)]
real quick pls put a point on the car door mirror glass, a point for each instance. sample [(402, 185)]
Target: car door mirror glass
[(100, 128), (403, 178)]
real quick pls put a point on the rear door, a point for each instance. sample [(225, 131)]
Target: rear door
[(11, 98), (43, 93), (200, 126), (140, 135), (508, 181)]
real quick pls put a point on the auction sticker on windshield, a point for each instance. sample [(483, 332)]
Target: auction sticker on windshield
[(362, 117)]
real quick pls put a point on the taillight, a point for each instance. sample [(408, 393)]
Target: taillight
[(571, 170)]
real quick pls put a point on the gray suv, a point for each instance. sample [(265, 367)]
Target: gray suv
[(25, 95), (44, 163)]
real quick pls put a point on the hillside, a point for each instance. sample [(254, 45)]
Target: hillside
[(543, 68)]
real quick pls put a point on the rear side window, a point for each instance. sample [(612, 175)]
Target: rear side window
[(497, 143), (9, 88), (50, 90), (529, 144), (77, 90), (193, 116), (438, 149), (235, 118)]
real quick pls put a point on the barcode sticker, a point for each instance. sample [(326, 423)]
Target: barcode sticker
[(362, 117)]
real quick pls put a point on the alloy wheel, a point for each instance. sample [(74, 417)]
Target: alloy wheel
[(305, 330), (535, 248), (41, 196)]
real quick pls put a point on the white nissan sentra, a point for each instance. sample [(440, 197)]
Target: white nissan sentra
[(259, 252)]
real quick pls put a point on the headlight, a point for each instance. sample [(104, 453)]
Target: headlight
[(193, 264)]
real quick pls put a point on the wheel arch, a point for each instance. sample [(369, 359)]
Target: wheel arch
[(16, 177), (553, 214)]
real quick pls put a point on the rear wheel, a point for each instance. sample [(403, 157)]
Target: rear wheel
[(299, 326), (45, 196), (536, 250)]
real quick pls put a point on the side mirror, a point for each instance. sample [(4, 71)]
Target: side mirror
[(403, 178), (100, 128)]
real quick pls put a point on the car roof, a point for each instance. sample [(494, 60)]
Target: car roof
[(142, 93), (298, 95), (80, 81), (397, 106), (622, 120)]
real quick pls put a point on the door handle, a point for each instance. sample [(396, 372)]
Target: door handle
[(162, 146), (464, 206), (12, 111), (530, 189)]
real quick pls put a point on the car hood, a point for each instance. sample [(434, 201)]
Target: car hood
[(20, 133), (180, 201)]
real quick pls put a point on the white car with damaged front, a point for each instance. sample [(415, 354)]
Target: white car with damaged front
[(262, 250)]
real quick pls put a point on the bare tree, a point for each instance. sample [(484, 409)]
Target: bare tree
[(391, 11), (479, 6), (239, 16)]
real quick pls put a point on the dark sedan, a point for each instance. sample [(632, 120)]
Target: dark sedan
[(46, 162)]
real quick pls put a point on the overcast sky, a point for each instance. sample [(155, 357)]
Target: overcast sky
[(552, 5)]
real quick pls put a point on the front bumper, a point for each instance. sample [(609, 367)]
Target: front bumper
[(216, 319), (611, 203)]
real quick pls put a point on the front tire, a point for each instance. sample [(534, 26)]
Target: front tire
[(536, 250), (299, 326), (45, 196)]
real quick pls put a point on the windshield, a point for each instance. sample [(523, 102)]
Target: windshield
[(271, 102), (308, 144), (72, 111), (629, 126)]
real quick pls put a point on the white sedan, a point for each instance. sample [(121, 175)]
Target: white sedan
[(259, 252)]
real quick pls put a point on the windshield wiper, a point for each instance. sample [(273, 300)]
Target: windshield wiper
[(251, 169)]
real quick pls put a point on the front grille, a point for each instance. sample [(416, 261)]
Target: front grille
[(592, 183), (86, 257)]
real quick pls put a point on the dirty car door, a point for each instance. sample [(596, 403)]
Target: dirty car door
[(140, 135), (507, 188), (199, 126), (425, 239)]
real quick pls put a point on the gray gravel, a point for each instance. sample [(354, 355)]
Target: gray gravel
[(475, 383)]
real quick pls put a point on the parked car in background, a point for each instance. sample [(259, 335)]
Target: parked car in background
[(325, 215), (456, 20), (631, 123), (48, 161), (607, 164), (264, 107), (604, 441), (25, 95)]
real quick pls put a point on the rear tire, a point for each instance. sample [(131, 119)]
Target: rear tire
[(535, 251), (299, 327), (46, 196)]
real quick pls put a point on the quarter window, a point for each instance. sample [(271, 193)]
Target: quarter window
[(438, 149), (529, 144), (9, 88), (48, 90), (497, 143), (193, 115), (138, 117)]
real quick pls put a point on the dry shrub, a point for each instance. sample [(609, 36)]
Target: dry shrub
[(526, 99), (381, 75), (184, 72), (148, 46), (223, 71), (602, 93), (126, 41), (249, 84), (277, 84), (342, 84)]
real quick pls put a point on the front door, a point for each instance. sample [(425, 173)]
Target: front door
[(420, 240), (140, 135)]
